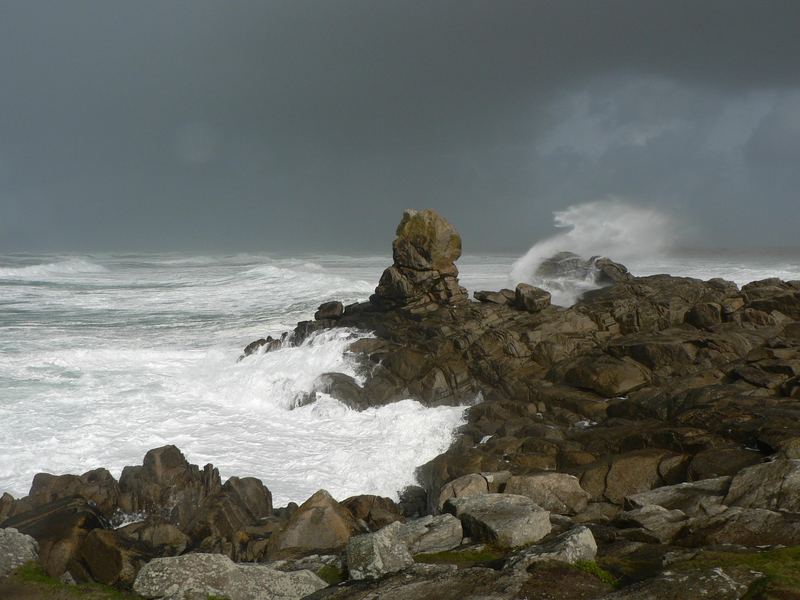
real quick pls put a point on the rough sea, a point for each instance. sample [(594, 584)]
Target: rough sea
[(103, 357)]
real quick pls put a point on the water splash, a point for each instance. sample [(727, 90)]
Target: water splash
[(611, 228)]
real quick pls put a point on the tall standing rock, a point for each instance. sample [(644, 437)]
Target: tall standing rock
[(424, 275)]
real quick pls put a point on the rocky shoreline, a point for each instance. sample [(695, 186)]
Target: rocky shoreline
[(643, 443)]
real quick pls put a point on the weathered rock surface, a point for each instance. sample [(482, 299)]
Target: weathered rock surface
[(721, 584), (424, 274), (373, 555), (374, 512), (15, 550), (112, 558), (506, 520), (473, 484), (198, 576), (660, 523), (531, 298), (431, 534), (97, 487), (744, 526), (773, 486), (158, 535), (692, 498), (557, 492), (59, 527), (224, 520), (329, 310), (167, 485), (574, 545), (319, 526)]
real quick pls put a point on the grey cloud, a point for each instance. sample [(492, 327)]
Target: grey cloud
[(308, 125)]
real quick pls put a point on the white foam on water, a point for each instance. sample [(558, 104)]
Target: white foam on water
[(54, 270), (143, 353), (99, 365)]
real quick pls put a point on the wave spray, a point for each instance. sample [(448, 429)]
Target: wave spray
[(611, 228)]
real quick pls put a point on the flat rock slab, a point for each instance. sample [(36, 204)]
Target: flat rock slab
[(570, 547), (507, 520), (690, 497), (719, 584), (197, 576), (772, 486), (432, 534), (15, 550)]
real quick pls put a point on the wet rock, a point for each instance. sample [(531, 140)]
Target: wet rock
[(556, 492), (467, 485), (267, 344), (431, 534), (194, 576), (574, 545), (319, 526), (413, 501), (610, 272), (344, 388), (373, 555), (329, 310), (375, 512), (505, 520), (15, 550)]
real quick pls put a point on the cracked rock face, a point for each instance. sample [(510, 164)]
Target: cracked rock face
[(197, 576), (424, 275), (506, 520)]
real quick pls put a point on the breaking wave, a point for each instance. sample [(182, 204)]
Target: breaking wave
[(611, 228), (45, 271)]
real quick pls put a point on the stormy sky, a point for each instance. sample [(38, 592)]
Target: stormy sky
[(308, 125)]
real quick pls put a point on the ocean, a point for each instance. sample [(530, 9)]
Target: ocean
[(103, 357)]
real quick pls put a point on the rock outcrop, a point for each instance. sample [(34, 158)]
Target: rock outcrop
[(424, 275), (319, 526), (655, 421), (15, 550)]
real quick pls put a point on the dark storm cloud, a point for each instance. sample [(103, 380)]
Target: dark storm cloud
[(310, 125)]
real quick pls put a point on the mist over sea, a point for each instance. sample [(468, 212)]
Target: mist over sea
[(103, 357)]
